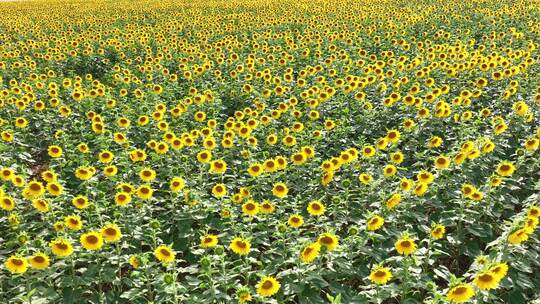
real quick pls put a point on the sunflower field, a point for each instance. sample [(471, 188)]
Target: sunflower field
[(270, 151)]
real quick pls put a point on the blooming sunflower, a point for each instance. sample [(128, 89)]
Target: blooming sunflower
[(505, 169), (250, 208), (267, 287), (209, 241), (499, 270), (310, 252), (316, 208), (460, 293), (39, 261), (405, 246), (81, 202), (164, 254), (92, 240), (177, 184), (486, 281), (280, 190), (518, 237), (73, 222), (16, 264), (111, 233), (122, 198), (380, 275), (240, 246), (438, 231), (61, 247), (329, 241), (295, 221), (219, 190), (374, 223)]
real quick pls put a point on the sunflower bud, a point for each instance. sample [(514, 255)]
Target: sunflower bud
[(154, 224), (168, 278)]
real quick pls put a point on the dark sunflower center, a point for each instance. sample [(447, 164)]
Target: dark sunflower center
[(267, 285), (327, 240), (380, 274), (39, 259), (17, 262), (61, 246), (92, 239), (460, 291)]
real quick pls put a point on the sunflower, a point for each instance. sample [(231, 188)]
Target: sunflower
[(460, 293), (280, 190), (111, 233), (177, 184), (406, 184), (397, 157), (218, 166), (39, 261), (61, 247), (438, 231), (240, 246), (329, 241), (393, 201), (255, 170), (49, 176), (54, 151), (405, 246), (92, 240), (380, 275), (122, 198), (267, 207), (505, 169), (518, 236), (295, 221), (145, 192), (310, 252), (374, 223), (81, 202), (84, 173), (442, 162), (34, 189), (41, 205), (499, 270), (73, 222), (16, 264), (134, 261), (205, 156), (365, 178), (164, 254), (244, 296), (486, 281), (389, 170), (368, 151), (533, 211), (219, 190), (532, 144), (420, 189), (111, 170), (209, 241), (267, 287), (250, 208), (147, 174), (106, 157), (316, 208), (55, 189)]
